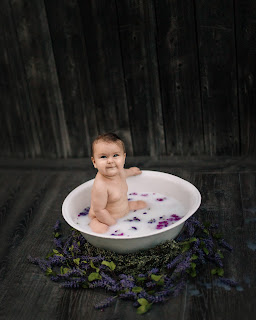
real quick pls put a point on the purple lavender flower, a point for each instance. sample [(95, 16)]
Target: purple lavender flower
[(152, 221), (175, 261), (133, 194), (105, 303), (153, 271), (158, 297), (134, 228), (56, 226), (228, 282), (127, 281), (144, 194), (226, 245), (216, 259), (184, 264), (128, 295), (57, 242), (72, 284), (55, 278), (209, 244), (151, 284), (179, 288)]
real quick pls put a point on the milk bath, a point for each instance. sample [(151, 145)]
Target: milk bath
[(161, 212)]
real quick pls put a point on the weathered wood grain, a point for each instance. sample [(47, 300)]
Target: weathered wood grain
[(100, 27), (179, 76), (245, 12), (19, 134), (218, 76), (138, 44), (170, 77), (71, 61), (247, 249), (40, 74), (219, 164), (222, 204)]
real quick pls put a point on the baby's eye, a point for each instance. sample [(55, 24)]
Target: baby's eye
[(103, 157), (116, 155)]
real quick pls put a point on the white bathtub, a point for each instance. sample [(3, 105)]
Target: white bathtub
[(148, 181)]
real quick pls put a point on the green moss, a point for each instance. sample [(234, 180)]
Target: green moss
[(138, 262)]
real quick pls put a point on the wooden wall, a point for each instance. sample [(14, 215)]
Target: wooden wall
[(172, 77)]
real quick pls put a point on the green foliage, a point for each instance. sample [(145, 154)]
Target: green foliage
[(94, 276), (144, 306), (77, 261), (110, 264)]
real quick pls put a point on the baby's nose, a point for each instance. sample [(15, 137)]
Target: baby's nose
[(110, 159)]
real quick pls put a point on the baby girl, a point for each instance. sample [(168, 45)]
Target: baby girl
[(109, 192)]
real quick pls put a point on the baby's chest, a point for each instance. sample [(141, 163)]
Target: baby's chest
[(117, 192)]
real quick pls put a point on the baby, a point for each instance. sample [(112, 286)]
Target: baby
[(109, 192)]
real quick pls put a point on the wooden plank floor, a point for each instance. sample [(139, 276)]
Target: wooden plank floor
[(31, 196)]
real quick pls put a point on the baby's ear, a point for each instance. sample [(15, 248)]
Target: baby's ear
[(93, 162)]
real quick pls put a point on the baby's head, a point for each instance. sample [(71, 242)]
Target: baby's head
[(109, 137), (108, 152)]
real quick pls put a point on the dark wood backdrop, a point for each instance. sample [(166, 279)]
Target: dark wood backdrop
[(172, 77)]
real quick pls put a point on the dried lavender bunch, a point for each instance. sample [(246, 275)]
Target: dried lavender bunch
[(146, 277)]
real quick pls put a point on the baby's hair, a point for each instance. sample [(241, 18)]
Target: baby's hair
[(107, 137)]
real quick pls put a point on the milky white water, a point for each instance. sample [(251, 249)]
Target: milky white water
[(161, 212)]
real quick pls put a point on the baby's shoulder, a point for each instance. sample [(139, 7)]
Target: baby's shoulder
[(99, 184)]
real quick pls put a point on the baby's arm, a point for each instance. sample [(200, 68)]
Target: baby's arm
[(99, 198), (133, 171)]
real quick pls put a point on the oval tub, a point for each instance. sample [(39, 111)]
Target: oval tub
[(148, 181)]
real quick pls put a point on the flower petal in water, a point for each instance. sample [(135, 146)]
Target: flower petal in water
[(84, 212)]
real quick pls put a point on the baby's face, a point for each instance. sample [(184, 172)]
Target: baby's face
[(108, 158)]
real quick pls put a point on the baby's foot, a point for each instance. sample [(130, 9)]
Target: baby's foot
[(98, 226), (137, 205)]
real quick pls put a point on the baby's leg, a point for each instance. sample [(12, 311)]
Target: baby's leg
[(136, 205), (98, 226)]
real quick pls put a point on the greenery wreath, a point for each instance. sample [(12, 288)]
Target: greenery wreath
[(146, 277)]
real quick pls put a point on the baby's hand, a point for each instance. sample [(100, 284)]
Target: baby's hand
[(134, 171)]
